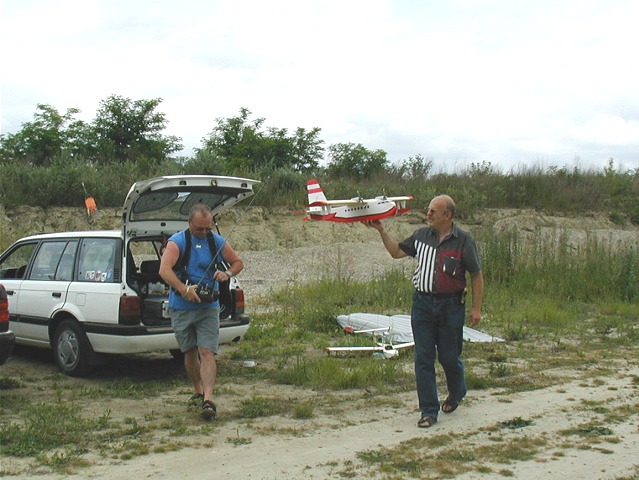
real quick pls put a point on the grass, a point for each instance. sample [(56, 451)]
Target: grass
[(551, 326)]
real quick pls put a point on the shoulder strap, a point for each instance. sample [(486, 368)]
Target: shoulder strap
[(184, 258)]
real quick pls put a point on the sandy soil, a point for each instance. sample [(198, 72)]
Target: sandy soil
[(327, 445), (316, 454)]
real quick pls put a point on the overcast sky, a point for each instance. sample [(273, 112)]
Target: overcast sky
[(514, 83)]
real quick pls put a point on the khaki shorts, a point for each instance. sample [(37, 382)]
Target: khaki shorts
[(197, 328)]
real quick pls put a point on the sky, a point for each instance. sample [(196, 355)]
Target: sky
[(515, 83)]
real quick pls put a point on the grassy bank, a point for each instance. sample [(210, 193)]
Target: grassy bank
[(609, 190)]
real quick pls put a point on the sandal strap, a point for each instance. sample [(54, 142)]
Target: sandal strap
[(209, 411), (427, 421)]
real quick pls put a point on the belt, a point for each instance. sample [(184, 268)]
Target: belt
[(442, 295)]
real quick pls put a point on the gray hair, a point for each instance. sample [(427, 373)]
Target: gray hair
[(449, 204), (200, 208)]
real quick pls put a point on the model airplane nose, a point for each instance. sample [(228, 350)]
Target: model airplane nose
[(390, 352)]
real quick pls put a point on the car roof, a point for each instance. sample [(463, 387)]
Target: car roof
[(65, 235)]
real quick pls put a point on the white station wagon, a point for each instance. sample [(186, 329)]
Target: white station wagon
[(85, 294)]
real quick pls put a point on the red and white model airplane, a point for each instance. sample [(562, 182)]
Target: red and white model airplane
[(356, 209)]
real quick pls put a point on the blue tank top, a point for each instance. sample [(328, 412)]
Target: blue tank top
[(197, 268)]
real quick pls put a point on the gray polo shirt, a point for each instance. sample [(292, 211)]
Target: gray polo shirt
[(441, 267)]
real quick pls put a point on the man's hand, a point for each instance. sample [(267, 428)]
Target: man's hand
[(474, 318), (376, 224), (190, 295)]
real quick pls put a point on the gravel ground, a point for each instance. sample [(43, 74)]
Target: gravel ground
[(265, 271)]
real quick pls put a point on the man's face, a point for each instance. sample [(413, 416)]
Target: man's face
[(438, 218), (200, 225)]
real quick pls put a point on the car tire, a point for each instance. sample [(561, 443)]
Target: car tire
[(177, 355), (71, 349)]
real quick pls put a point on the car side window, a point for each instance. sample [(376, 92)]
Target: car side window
[(64, 271), (46, 261), (15, 264), (97, 261)]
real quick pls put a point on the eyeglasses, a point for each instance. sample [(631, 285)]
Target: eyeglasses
[(201, 229)]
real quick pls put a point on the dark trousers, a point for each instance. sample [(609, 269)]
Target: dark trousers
[(438, 327)]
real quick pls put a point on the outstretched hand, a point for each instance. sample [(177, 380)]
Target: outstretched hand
[(376, 224)]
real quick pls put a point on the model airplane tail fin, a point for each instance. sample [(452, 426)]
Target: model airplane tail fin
[(315, 194)]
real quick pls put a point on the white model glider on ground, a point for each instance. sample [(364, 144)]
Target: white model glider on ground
[(354, 210), (397, 332), (383, 347)]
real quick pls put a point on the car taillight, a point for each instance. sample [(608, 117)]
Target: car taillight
[(4, 306), (129, 313), (4, 311), (238, 300)]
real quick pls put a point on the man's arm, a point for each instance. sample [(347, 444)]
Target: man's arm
[(236, 264), (392, 245), (477, 284)]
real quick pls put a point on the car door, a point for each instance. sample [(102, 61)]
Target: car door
[(94, 295), (44, 290), (14, 266)]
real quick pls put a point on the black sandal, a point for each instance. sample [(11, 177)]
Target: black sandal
[(427, 421), (196, 400), (209, 410), (449, 406)]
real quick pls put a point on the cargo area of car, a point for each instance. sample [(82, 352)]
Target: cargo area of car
[(143, 267)]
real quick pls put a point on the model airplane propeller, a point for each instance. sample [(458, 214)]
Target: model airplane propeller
[(356, 209)]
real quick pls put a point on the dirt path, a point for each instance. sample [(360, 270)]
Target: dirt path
[(321, 450)]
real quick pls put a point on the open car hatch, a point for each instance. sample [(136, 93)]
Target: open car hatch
[(162, 204)]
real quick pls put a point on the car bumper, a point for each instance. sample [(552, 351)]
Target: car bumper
[(125, 340), (7, 341)]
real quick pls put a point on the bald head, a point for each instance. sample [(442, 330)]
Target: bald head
[(447, 203), (440, 214)]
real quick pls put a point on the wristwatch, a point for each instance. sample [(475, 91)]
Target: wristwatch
[(228, 272)]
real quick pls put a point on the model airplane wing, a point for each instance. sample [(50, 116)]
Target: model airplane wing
[(337, 203), (399, 199), (400, 327)]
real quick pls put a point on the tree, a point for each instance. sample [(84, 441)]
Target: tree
[(126, 130), (245, 145), (49, 135), (414, 168), (355, 161)]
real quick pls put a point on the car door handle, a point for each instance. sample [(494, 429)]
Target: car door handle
[(56, 294)]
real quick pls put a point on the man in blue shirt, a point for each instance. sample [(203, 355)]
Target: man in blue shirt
[(444, 253), (196, 322)]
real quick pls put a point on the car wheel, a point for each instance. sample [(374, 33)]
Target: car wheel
[(71, 349), (177, 354)]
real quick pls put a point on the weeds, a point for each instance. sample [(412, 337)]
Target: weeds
[(517, 422), (47, 426)]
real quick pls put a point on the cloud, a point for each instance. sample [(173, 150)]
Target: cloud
[(464, 80)]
